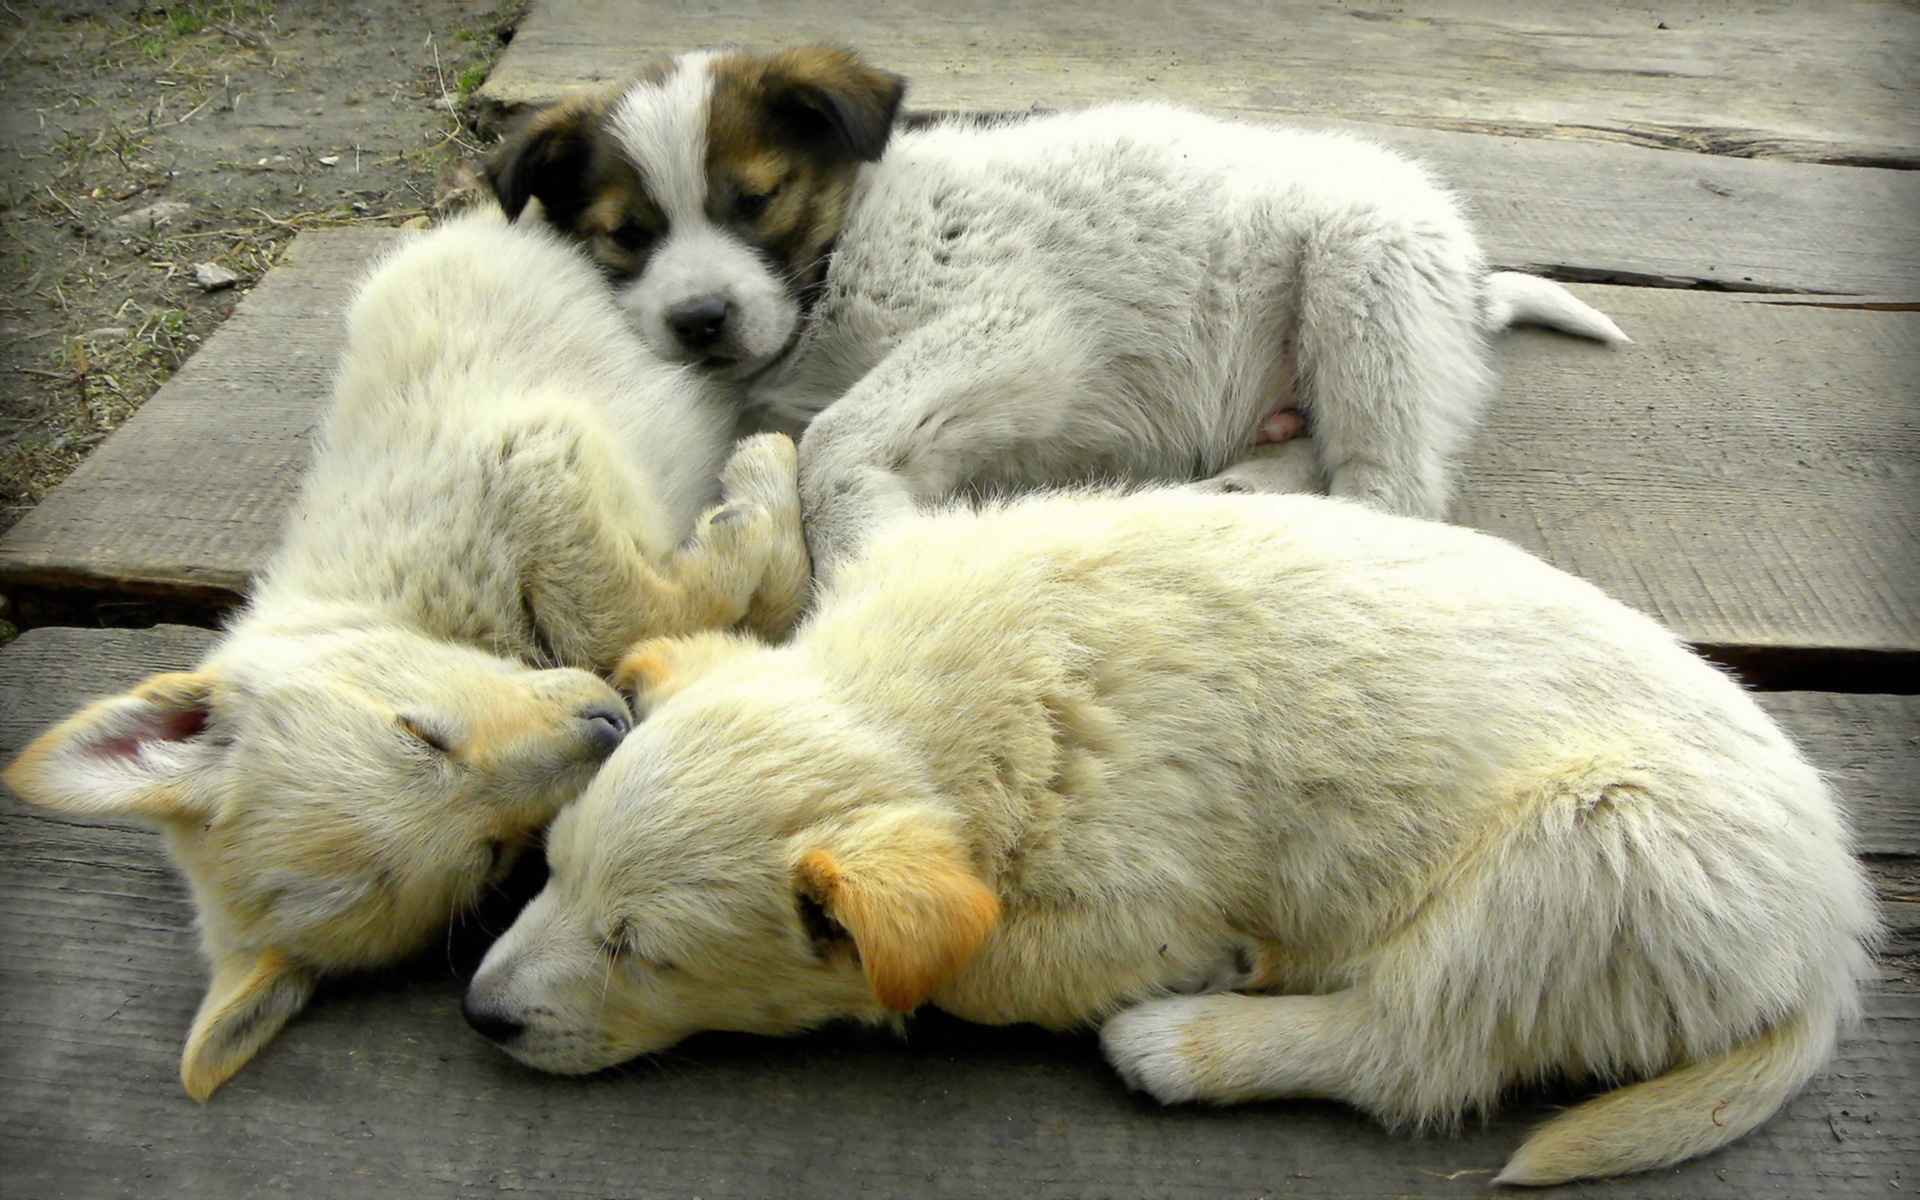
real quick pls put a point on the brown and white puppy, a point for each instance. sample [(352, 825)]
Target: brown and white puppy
[(712, 187), (1129, 292)]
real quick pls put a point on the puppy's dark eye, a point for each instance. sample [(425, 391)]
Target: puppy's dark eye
[(749, 205), (428, 734), (631, 236)]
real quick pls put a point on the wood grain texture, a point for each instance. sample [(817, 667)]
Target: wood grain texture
[(1869, 746), (1619, 214), (1828, 82), (1747, 472), (189, 494), (380, 1090)]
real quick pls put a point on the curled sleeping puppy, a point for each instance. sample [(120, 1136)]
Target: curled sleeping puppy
[(1130, 292), (1445, 819), (492, 518)]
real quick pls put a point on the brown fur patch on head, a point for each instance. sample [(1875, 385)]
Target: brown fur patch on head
[(786, 134)]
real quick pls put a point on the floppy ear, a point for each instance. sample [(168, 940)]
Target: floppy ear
[(659, 667), (251, 997), (546, 158), (901, 884), (124, 756), (827, 93)]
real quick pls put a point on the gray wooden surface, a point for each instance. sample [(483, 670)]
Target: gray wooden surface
[(1610, 213), (1828, 82), (380, 1090), (188, 495), (1746, 470)]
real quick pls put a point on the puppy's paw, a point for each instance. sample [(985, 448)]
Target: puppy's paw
[(764, 472), (1148, 1045), (764, 469)]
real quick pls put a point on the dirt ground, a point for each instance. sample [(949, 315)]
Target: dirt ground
[(148, 152)]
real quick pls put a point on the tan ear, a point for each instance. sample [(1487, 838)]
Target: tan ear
[(127, 755), (903, 888), (250, 998), (659, 667)]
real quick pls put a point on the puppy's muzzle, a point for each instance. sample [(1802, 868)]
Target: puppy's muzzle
[(491, 1022), (700, 322)]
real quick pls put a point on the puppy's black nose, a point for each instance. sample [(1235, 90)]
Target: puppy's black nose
[(605, 727), (697, 323), (494, 1025)]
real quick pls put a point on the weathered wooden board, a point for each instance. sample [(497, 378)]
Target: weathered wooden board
[(379, 1089), (1607, 213), (188, 496), (1748, 472), (1828, 82)]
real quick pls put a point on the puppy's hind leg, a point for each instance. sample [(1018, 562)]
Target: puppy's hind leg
[(1228, 1048), (1392, 362)]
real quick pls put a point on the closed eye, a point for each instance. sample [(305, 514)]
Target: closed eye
[(426, 733), (631, 236), (618, 945), (750, 205)]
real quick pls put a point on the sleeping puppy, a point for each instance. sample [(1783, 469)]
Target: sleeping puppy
[(1456, 820), (1128, 292), (493, 517)]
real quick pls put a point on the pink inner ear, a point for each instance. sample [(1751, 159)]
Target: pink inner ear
[(172, 725)]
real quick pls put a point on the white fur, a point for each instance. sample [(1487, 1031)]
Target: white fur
[(1463, 819), (1124, 292)]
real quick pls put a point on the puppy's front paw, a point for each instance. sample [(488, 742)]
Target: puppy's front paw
[(764, 469), (1147, 1045), (764, 473)]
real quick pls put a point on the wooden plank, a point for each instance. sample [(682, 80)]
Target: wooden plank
[(1830, 82), (1870, 747), (1620, 214), (187, 497), (379, 1089), (1746, 471)]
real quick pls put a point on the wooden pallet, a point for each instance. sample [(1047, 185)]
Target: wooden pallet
[(380, 1089)]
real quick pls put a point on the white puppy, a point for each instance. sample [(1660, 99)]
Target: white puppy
[(493, 515), (1458, 819), (1130, 292)]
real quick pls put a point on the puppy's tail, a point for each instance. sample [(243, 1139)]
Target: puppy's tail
[(1685, 1113), (1513, 297)]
